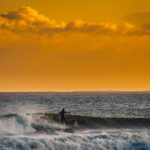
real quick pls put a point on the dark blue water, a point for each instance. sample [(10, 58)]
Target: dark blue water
[(91, 104)]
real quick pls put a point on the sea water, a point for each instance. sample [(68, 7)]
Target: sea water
[(21, 112)]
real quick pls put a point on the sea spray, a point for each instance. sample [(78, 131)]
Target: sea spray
[(16, 124)]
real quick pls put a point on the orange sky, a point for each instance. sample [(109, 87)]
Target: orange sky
[(74, 45)]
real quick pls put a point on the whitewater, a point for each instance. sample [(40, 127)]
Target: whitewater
[(106, 121)]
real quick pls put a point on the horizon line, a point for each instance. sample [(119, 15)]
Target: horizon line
[(81, 91)]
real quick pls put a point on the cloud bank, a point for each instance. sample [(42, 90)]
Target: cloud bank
[(27, 19)]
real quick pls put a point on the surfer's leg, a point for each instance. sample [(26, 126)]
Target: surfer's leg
[(65, 120), (62, 120)]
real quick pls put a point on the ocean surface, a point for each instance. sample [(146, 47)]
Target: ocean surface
[(24, 125)]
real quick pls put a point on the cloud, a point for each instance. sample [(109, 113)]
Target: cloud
[(27, 19), (141, 20), (139, 17)]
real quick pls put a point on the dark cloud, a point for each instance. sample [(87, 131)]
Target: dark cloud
[(139, 17), (11, 15), (142, 22)]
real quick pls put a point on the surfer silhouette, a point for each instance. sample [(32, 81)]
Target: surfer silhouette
[(62, 116)]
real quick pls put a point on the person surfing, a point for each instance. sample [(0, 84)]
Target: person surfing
[(62, 116)]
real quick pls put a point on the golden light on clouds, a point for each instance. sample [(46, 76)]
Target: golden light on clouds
[(39, 53)]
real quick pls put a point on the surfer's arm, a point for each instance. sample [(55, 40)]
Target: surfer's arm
[(67, 112)]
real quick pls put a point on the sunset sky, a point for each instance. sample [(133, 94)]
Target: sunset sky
[(74, 45)]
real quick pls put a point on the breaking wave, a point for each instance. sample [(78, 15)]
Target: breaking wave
[(44, 132), (96, 122), (14, 124)]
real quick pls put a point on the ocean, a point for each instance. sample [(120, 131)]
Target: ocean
[(106, 121)]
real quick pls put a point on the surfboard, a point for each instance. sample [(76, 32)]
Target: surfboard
[(71, 129)]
